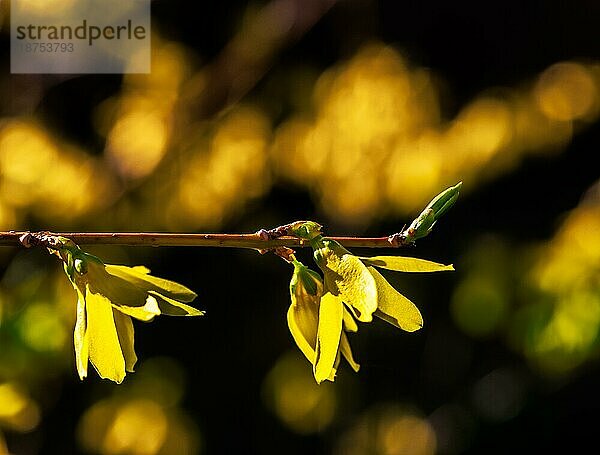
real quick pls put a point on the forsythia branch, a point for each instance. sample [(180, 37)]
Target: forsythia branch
[(282, 236), (322, 311), (252, 241)]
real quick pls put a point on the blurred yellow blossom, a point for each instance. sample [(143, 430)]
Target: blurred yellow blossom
[(291, 393), (27, 152), (389, 429), (567, 271), (375, 142), (225, 166), (143, 417), (17, 410)]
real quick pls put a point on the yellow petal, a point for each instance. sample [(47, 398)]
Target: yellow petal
[(347, 275), (139, 276), (119, 291), (336, 365), (137, 268), (125, 333), (80, 337), (302, 322), (394, 308), (302, 315), (354, 282), (143, 313), (406, 264), (328, 335), (347, 352), (172, 307), (350, 324), (104, 349)]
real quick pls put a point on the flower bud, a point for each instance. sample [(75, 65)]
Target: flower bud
[(305, 229), (423, 224)]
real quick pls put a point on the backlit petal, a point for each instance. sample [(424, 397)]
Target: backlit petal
[(80, 337), (394, 308), (143, 313), (406, 264), (303, 313), (347, 352), (328, 335), (172, 307), (347, 275), (302, 323), (355, 284), (124, 327), (118, 290), (104, 349), (140, 278), (350, 324)]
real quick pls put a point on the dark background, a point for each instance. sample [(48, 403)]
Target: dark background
[(471, 47)]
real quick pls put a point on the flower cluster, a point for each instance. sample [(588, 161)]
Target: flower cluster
[(323, 311), (108, 297)]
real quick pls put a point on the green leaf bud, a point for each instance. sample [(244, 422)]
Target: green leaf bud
[(305, 229), (423, 224)]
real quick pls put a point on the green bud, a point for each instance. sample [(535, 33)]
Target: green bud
[(443, 201), (311, 280), (305, 229), (423, 224), (308, 279)]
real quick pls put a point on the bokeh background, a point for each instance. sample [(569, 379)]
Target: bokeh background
[(352, 113)]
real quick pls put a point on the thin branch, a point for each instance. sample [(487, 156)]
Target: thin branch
[(253, 241), (250, 53), (263, 240)]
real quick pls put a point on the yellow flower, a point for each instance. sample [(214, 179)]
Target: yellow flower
[(321, 314), (108, 296), (317, 322), (353, 285), (364, 290)]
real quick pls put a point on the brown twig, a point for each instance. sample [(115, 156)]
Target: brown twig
[(253, 241)]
